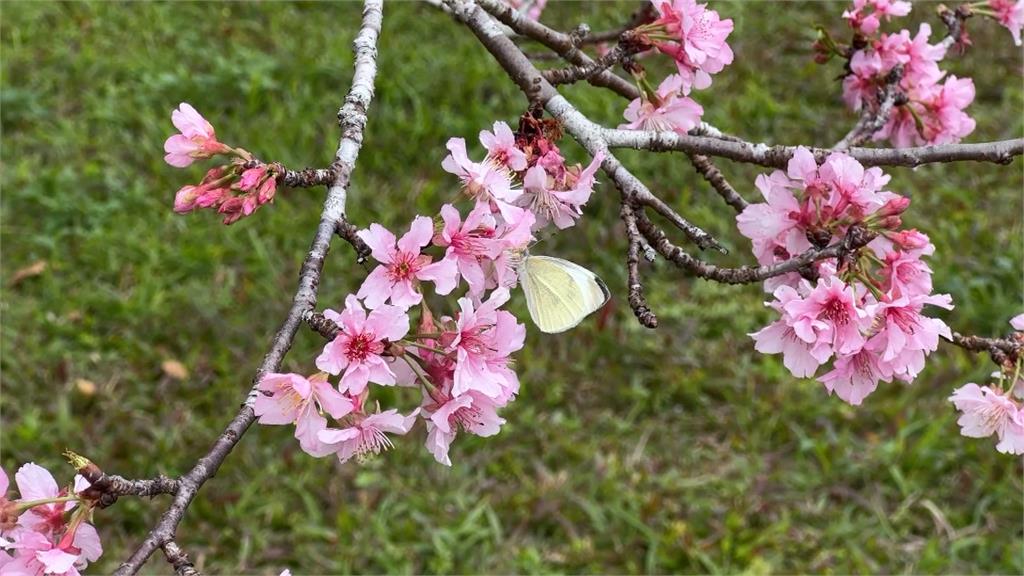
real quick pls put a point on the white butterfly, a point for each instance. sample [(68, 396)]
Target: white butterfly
[(559, 294)]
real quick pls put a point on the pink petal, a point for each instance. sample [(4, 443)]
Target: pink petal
[(418, 236), (381, 242), (35, 482)]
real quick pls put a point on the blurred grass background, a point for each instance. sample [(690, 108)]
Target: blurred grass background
[(675, 450)]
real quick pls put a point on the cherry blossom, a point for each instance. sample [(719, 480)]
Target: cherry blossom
[(357, 348), (36, 483), (698, 40), (367, 434), (559, 206), (196, 139), (501, 147), (1010, 13), (801, 357), (1017, 322), (210, 192), (856, 375), (987, 412), (866, 21), (486, 182), (292, 398), (905, 336), (403, 266), (472, 412), (482, 338), (666, 109), (469, 243)]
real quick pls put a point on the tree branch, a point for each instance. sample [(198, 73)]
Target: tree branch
[(179, 560), (586, 133), (352, 119), (714, 177), (1004, 351), (999, 152), (347, 231), (636, 298)]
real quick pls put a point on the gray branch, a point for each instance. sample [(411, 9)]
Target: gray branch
[(352, 119)]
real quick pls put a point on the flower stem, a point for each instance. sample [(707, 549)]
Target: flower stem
[(33, 503)]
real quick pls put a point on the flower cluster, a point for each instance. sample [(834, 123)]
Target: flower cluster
[(1009, 13), (235, 189), (996, 409), (864, 310), (46, 530), (462, 362), (695, 38), (929, 105)]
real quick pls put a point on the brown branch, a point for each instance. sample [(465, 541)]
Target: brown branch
[(348, 232), (179, 560), (741, 275), (321, 325), (1004, 351), (307, 178), (642, 15), (588, 70), (352, 119), (714, 176), (106, 489), (636, 298), (999, 152)]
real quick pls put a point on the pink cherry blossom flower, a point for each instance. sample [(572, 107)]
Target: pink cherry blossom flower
[(861, 85), (829, 313), (35, 554), (699, 40), (36, 483), (469, 243), (905, 274), (357, 348), (774, 223), (1017, 322), (668, 110), (292, 398), (196, 139), (561, 207), (482, 339), (485, 182), (866, 21), (501, 147), (856, 375), (987, 412), (918, 57), (905, 336), (472, 412), (933, 116), (800, 357), (1010, 13), (367, 435), (403, 266)]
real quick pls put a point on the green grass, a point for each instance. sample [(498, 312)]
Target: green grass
[(676, 450)]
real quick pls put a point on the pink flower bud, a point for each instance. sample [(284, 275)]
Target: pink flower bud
[(894, 207)]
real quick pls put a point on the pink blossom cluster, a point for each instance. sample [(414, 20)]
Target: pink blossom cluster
[(934, 109), (863, 312), (995, 410), (931, 107), (461, 362), (695, 38), (235, 189), (46, 529), (1009, 13)]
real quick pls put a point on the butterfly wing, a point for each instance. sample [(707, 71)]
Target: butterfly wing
[(559, 293)]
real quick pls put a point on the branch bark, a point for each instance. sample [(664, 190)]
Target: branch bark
[(352, 119), (999, 152)]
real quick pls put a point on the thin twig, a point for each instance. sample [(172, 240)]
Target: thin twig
[(714, 176), (352, 118), (348, 232), (1004, 351), (636, 298), (179, 560)]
